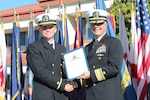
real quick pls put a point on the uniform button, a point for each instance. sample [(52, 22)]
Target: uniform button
[(104, 72), (53, 72), (60, 72), (53, 64), (94, 84), (60, 64), (57, 82), (99, 58), (86, 85), (93, 66)]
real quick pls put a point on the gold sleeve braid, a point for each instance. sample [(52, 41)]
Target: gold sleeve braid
[(59, 83), (100, 74)]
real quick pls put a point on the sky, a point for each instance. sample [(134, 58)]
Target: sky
[(9, 4)]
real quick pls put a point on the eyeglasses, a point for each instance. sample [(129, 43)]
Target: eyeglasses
[(98, 24), (48, 26)]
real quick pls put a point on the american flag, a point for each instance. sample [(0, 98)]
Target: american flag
[(143, 49)]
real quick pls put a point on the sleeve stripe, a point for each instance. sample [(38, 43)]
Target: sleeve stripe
[(99, 74), (60, 82)]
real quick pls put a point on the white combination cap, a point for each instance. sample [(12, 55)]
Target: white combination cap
[(97, 16), (46, 19)]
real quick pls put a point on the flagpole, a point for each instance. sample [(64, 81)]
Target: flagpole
[(3, 75), (132, 4), (63, 19), (48, 9), (14, 15), (31, 15)]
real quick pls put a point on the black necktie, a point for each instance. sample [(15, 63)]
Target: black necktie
[(95, 43), (51, 45)]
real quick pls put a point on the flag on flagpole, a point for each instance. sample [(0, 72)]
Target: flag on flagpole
[(78, 36), (3, 67), (60, 34), (126, 83), (143, 49), (66, 37), (63, 37), (28, 84), (113, 22), (16, 65), (133, 53), (2, 78), (61, 26), (101, 5), (3, 48), (123, 36)]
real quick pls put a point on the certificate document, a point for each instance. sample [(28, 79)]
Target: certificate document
[(75, 63)]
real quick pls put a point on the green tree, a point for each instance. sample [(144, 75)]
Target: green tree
[(126, 7)]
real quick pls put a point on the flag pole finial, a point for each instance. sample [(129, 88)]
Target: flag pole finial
[(0, 19), (48, 9), (31, 14), (14, 14), (18, 17), (60, 12), (1, 22)]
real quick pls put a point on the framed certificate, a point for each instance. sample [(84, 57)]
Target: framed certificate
[(75, 63)]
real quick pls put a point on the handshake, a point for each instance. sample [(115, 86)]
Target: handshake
[(70, 86), (73, 84)]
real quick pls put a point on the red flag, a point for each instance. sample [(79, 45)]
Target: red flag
[(112, 20), (133, 54), (3, 68), (78, 36), (2, 82)]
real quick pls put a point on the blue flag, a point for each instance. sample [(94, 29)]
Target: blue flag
[(28, 84), (66, 35), (31, 32), (126, 83), (60, 34), (16, 65), (101, 5)]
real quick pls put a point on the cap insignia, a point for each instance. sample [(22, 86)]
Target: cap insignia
[(96, 14), (45, 18)]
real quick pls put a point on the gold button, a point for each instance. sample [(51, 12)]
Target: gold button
[(104, 72), (86, 85), (93, 66), (99, 58), (94, 84), (57, 82), (60, 72), (53, 64), (52, 72), (60, 64)]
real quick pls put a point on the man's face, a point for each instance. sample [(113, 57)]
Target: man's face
[(98, 29), (48, 31)]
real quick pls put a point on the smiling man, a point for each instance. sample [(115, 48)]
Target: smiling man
[(105, 55), (44, 57)]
